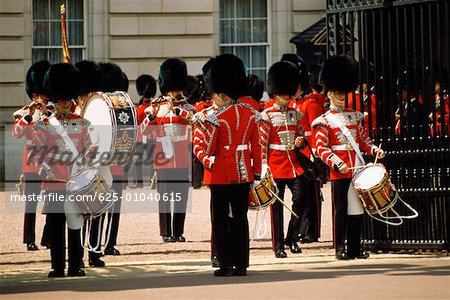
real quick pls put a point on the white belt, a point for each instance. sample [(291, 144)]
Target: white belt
[(238, 148), (280, 147), (173, 138), (342, 147), (308, 133)]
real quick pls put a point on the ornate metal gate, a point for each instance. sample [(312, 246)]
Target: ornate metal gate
[(402, 48)]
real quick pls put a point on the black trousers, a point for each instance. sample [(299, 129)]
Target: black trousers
[(345, 226), (171, 219), (57, 230), (311, 209), (32, 186), (295, 185), (233, 248), (113, 217), (197, 172)]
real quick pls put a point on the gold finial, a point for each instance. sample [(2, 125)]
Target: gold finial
[(63, 9)]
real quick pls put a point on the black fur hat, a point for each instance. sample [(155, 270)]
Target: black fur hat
[(112, 79), (301, 66), (282, 79), (206, 69), (146, 86), (35, 78), (228, 76), (255, 87), (125, 83), (62, 82), (172, 75), (91, 77), (340, 74), (194, 88)]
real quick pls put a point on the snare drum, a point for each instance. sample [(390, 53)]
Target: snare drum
[(90, 192), (375, 189), (114, 127), (261, 197)]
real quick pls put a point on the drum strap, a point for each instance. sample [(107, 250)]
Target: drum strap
[(347, 134), (66, 138)]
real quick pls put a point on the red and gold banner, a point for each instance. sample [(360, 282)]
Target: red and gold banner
[(65, 44)]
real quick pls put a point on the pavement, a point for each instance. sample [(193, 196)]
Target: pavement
[(148, 268)]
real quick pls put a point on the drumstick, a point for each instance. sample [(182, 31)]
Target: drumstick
[(357, 167), (376, 157), (282, 202)]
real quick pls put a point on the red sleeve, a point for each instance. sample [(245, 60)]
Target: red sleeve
[(256, 149), (365, 143), (323, 149), (199, 147), (264, 131), (20, 127)]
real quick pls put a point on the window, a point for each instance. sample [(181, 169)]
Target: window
[(243, 32), (47, 40)]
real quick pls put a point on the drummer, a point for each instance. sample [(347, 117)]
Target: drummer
[(281, 132), (340, 77), (62, 83)]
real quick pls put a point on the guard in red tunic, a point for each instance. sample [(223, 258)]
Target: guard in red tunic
[(281, 133), (52, 154), (334, 131), (24, 119), (310, 108), (168, 123), (146, 88), (232, 137)]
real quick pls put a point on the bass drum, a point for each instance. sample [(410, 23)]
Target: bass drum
[(114, 128)]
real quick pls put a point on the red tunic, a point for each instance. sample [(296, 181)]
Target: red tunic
[(232, 137), (176, 129), (332, 145), (199, 106), (23, 128), (55, 153), (140, 115), (279, 129), (249, 100), (199, 145)]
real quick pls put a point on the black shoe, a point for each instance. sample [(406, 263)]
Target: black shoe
[(293, 246), (180, 239), (46, 245), (240, 272), (215, 262), (96, 263), (111, 251), (280, 253), (342, 255), (56, 273), (32, 247), (304, 239), (168, 239), (76, 273), (360, 255), (223, 272)]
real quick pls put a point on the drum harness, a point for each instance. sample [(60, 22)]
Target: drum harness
[(72, 148)]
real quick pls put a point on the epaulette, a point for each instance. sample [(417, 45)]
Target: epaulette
[(212, 118), (319, 121), (264, 116), (359, 116)]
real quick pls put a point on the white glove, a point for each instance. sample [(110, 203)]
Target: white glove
[(256, 183)]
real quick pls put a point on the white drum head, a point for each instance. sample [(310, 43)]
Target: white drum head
[(82, 180), (369, 177), (97, 111)]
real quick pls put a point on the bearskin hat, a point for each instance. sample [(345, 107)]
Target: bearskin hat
[(314, 81), (112, 79), (125, 83), (228, 76), (282, 79), (301, 66), (206, 69), (193, 88), (172, 75), (62, 82), (91, 77), (35, 78), (146, 86), (340, 73), (255, 87)]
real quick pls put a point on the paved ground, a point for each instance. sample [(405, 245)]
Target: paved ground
[(148, 267)]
